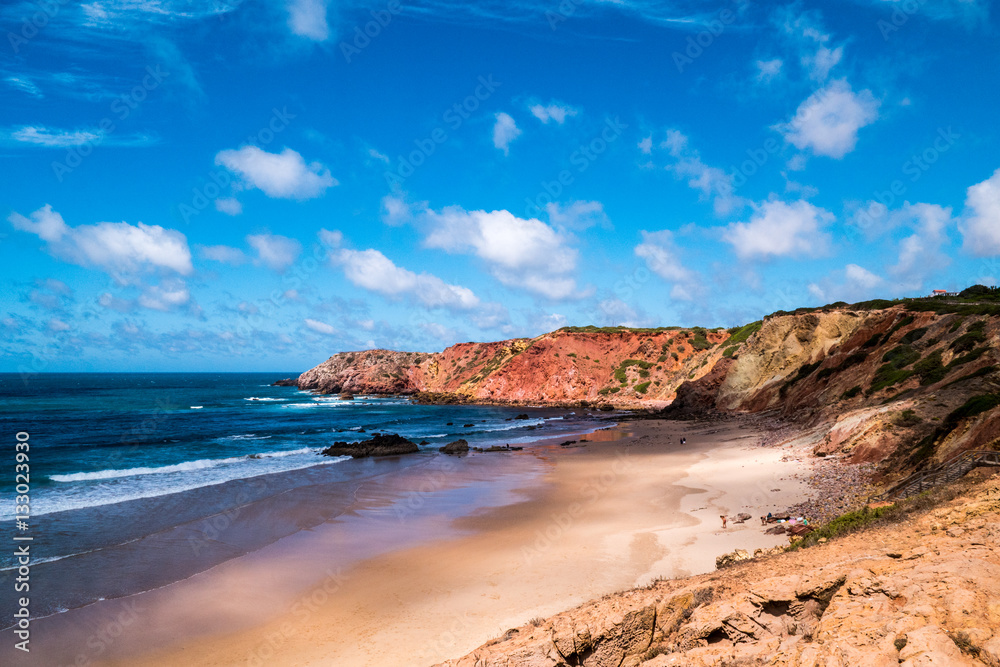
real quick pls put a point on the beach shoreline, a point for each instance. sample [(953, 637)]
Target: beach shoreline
[(485, 543)]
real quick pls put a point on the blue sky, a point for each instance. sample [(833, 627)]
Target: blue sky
[(257, 184)]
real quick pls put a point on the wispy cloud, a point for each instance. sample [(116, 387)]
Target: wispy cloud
[(25, 85), (46, 137), (504, 132)]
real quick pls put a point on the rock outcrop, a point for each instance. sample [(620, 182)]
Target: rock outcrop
[(458, 447), (389, 444), (923, 592), (626, 367)]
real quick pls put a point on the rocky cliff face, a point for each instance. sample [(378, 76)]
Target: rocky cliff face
[(922, 592), (892, 384), (626, 367), (913, 388)]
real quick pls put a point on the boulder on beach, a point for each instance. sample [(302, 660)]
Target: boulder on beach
[(457, 447), (725, 560), (389, 444)]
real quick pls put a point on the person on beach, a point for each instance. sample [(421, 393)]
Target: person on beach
[(723, 517)]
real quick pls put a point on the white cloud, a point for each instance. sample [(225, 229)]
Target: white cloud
[(307, 18), (767, 70), (920, 254), (116, 247), (331, 238), (778, 229), (43, 136), (47, 224), (660, 253), (646, 145), (555, 112), (827, 123), (274, 251), (862, 277), (25, 85), (856, 283), (228, 205), (372, 270), (398, 210), (56, 325), (165, 297), (520, 253), (578, 215), (284, 175), (224, 254), (320, 327), (504, 132), (980, 225), (713, 183), (378, 155), (820, 63)]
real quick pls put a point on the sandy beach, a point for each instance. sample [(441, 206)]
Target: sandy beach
[(409, 576)]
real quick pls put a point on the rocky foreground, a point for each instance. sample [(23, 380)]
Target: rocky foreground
[(922, 591)]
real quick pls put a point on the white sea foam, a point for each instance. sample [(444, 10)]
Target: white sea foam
[(187, 466), (107, 491)]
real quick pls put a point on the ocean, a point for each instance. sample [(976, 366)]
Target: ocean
[(123, 465)]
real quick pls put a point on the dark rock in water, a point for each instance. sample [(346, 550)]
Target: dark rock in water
[(424, 442), (467, 425), (457, 447), (449, 424), (567, 443), (498, 448), (607, 408), (287, 382), (346, 396), (522, 417), (531, 428), (389, 444)]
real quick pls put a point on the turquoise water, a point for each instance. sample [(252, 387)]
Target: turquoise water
[(139, 480), (98, 439)]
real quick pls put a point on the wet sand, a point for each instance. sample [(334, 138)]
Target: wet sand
[(429, 565)]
